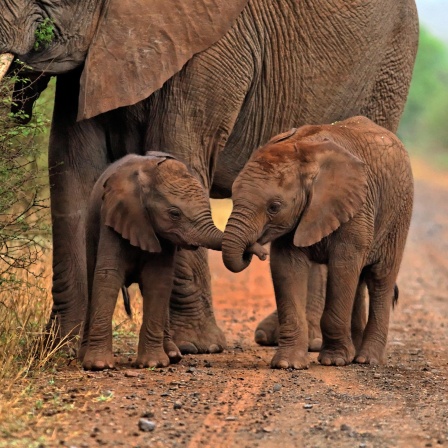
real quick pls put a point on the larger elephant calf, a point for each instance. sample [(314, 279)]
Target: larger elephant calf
[(339, 195)]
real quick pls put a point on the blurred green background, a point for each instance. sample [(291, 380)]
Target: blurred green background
[(423, 128)]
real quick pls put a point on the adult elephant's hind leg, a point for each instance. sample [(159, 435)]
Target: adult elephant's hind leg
[(192, 320), (267, 330)]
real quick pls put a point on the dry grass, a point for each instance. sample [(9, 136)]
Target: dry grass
[(26, 348), (30, 360)]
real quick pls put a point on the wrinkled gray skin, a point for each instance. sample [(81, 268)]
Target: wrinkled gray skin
[(339, 195), (279, 66), (140, 209)]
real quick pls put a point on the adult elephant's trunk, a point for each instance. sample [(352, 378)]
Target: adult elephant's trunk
[(5, 63), (240, 236)]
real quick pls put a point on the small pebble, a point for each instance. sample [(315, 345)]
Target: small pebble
[(277, 387), (131, 374), (146, 425), (307, 406), (345, 427), (177, 405)]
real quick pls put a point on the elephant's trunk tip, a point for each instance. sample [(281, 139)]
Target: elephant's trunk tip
[(238, 260), (240, 242), (258, 250)]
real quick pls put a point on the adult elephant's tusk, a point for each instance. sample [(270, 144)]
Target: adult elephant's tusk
[(5, 62)]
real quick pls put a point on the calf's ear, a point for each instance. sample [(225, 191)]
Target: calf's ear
[(123, 209), (337, 192)]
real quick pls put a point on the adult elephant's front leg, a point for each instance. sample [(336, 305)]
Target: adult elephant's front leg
[(69, 289), (77, 156), (192, 320)]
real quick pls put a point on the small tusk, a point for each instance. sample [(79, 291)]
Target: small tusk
[(5, 62)]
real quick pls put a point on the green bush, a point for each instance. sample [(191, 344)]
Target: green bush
[(24, 217)]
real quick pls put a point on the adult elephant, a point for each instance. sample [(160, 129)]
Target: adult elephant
[(206, 80)]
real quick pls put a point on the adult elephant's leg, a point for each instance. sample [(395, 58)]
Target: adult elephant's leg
[(192, 320), (77, 155), (390, 89), (267, 330)]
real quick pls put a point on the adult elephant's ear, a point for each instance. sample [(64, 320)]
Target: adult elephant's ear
[(123, 210), (338, 190), (140, 44)]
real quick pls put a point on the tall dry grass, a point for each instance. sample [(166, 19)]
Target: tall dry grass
[(25, 345), (30, 354)]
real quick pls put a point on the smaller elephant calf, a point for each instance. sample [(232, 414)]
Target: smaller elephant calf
[(140, 210), (339, 195)]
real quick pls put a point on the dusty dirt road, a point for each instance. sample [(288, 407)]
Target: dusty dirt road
[(235, 400)]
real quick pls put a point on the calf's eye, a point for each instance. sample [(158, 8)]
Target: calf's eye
[(174, 213), (274, 207)]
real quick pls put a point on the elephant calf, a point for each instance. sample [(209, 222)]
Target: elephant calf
[(140, 210), (339, 195)]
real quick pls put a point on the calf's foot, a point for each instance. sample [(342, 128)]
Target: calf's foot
[(98, 360), (152, 358), (314, 336), (267, 331), (290, 358), (369, 354), (172, 350), (337, 354)]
